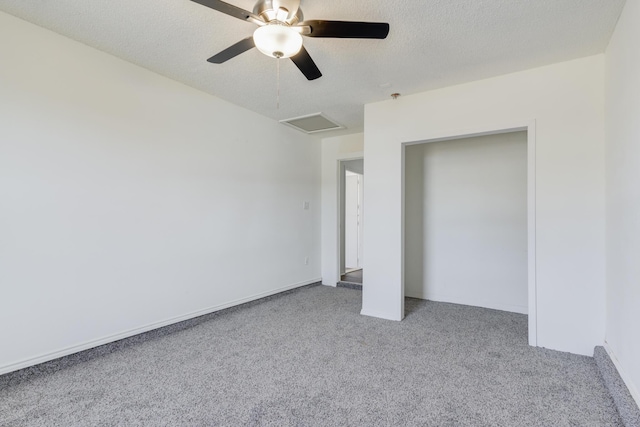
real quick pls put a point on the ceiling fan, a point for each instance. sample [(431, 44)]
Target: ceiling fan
[(280, 31)]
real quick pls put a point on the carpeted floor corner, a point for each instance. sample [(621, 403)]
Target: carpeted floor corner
[(307, 358), (625, 404)]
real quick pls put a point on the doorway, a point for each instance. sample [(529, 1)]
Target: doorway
[(466, 221), (351, 210)]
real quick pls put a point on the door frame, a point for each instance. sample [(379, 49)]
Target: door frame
[(340, 212)]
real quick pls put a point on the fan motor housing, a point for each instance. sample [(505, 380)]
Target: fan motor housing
[(268, 10)]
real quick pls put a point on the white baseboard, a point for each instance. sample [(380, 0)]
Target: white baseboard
[(111, 338), (379, 315), (521, 309), (633, 390)]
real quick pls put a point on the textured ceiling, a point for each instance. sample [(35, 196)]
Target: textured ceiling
[(432, 43)]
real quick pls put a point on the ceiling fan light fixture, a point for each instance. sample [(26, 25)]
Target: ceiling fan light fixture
[(277, 40)]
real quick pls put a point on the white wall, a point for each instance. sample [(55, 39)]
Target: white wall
[(466, 221), (333, 150), (623, 196), (128, 200), (566, 101)]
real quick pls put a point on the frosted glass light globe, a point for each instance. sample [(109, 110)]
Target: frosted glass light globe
[(277, 41)]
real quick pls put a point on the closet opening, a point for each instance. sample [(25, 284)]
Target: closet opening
[(468, 221)]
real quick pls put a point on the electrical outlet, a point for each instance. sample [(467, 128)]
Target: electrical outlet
[(305, 206)]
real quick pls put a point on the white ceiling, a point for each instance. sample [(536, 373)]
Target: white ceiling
[(432, 44)]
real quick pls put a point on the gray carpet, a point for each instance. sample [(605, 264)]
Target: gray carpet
[(307, 358), (626, 406)]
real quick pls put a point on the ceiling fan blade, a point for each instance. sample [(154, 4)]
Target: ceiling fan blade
[(305, 64), (233, 51), (231, 10), (347, 29)]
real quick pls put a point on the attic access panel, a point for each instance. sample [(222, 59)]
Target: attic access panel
[(313, 123)]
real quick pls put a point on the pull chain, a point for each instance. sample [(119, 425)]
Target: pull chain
[(278, 84)]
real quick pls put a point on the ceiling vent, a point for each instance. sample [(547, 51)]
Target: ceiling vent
[(313, 123)]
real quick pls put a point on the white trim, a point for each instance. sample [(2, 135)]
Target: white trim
[(497, 128), (403, 183), (111, 338), (625, 377), (379, 315), (531, 234), (513, 308)]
